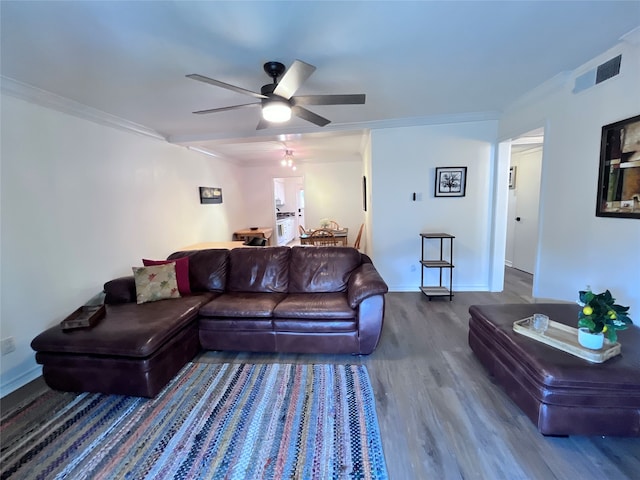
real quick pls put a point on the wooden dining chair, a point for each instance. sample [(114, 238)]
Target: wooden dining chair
[(356, 245), (322, 237), (333, 225)]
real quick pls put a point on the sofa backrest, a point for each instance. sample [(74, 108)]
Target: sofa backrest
[(207, 269), (259, 269), (321, 269)]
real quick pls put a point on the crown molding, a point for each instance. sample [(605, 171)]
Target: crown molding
[(50, 100), (554, 84), (632, 37)]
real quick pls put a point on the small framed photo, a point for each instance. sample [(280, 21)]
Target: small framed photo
[(210, 195), (451, 181), (512, 177)]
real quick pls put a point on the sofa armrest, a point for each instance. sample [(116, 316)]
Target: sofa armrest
[(120, 290), (370, 323), (364, 282)]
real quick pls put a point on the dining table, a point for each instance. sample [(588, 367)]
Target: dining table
[(248, 233), (339, 235), (209, 245)]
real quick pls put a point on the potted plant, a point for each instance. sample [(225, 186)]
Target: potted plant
[(600, 316)]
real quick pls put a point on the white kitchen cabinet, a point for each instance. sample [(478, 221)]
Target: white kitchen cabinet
[(285, 230), (279, 191)]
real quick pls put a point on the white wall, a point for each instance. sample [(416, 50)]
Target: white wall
[(403, 161), (332, 190), (577, 248), (83, 203)]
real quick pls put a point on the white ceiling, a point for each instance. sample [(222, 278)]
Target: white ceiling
[(413, 60)]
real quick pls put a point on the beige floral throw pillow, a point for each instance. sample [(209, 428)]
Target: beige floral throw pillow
[(156, 282)]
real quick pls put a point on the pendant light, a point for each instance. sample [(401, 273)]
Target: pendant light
[(287, 160)]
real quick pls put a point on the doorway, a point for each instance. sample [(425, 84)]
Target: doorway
[(288, 197), (525, 172)]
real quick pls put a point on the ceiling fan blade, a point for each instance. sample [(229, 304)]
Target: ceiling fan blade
[(224, 109), (356, 99), (310, 116), (262, 124), (218, 83), (295, 76)]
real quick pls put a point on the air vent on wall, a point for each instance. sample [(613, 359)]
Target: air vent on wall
[(603, 72), (608, 69)]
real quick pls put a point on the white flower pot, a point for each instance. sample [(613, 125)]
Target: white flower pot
[(594, 341)]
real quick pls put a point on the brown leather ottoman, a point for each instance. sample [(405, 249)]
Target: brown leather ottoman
[(561, 393)]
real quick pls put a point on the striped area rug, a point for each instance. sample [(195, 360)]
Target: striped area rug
[(213, 421)]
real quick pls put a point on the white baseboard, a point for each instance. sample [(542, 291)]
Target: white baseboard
[(456, 288), (20, 381)]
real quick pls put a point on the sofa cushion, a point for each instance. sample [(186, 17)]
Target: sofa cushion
[(315, 306), (207, 268), (127, 330), (120, 290), (321, 269), (259, 270), (242, 304), (156, 283), (318, 325), (236, 324), (182, 272)]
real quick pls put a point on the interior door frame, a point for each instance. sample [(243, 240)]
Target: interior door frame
[(500, 188)]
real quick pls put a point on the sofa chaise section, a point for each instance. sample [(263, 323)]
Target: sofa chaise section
[(134, 350)]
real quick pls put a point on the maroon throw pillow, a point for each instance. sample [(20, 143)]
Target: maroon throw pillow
[(182, 272)]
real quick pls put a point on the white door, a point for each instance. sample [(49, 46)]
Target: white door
[(527, 201), (300, 208)]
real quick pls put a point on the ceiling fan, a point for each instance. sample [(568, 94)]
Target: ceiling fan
[(277, 99)]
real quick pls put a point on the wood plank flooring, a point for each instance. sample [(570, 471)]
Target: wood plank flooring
[(440, 415)]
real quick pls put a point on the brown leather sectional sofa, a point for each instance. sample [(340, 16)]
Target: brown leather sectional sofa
[(273, 299)]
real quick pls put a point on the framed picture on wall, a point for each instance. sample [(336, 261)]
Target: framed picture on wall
[(364, 193), (210, 195), (512, 177), (619, 173), (451, 181)]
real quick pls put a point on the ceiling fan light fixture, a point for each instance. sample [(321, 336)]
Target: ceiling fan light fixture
[(287, 160), (276, 111)]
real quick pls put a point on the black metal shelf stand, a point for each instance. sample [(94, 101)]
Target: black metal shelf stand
[(439, 290)]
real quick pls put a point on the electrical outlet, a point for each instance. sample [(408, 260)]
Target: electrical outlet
[(7, 345)]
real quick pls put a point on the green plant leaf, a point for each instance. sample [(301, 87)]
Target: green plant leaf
[(586, 296), (586, 322)]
